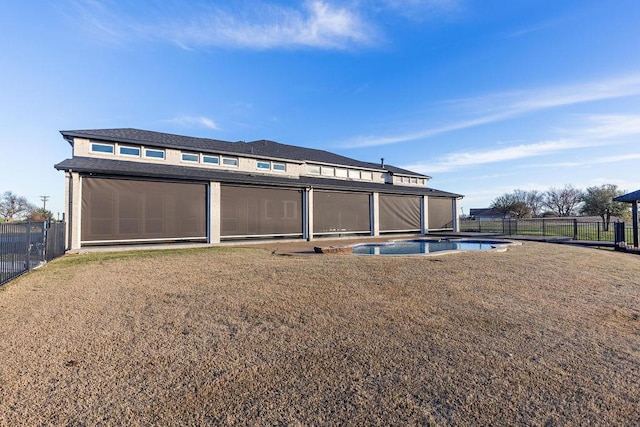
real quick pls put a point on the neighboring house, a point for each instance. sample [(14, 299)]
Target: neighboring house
[(137, 186), (486, 214)]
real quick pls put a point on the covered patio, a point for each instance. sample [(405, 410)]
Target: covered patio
[(632, 198)]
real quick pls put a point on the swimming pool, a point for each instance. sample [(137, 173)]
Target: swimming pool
[(419, 247)]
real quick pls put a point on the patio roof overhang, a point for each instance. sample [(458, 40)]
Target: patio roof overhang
[(632, 198)]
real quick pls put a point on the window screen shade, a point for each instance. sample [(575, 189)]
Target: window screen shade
[(250, 211), (335, 212), (399, 213), (440, 213), (122, 210)]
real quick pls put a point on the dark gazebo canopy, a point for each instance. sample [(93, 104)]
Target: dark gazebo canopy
[(628, 198), (632, 198)]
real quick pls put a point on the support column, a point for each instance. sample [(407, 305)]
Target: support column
[(308, 213), (74, 214), (456, 215), (374, 213), (634, 213), (67, 210), (214, 213), (424, 214)]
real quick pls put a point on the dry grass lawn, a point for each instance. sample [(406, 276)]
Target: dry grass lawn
[(539, 335)]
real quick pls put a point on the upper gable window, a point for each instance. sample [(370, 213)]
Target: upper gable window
[(190, 157), (263, 165), (154, 154), (414, 180), (230, 161), (341, 173), (212, 160), (328, 171), (354, 174), (129, 151), (313, 169), (366, 175), (279, 167), (102, 148)]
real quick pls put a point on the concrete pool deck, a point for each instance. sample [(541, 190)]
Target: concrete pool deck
[(299, 246)]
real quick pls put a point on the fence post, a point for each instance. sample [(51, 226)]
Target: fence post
[(598, 231), (575, 229), (27, 259), (619, 235)]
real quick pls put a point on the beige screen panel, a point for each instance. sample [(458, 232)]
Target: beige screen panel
[(253, 211), (118, 210), (440, 213), (399, 213), (335, 212)]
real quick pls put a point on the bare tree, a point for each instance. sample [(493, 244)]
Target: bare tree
[(563, 201), (533, 199), (13, 207), (511, 203)]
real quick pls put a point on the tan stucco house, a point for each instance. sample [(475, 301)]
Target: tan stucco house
[(137, 186)]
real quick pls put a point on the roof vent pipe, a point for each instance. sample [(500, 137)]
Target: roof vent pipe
[(382, 162)]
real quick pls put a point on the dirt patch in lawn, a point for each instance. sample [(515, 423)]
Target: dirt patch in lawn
[(538, 335)]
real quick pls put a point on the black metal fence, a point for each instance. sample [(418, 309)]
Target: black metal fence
[(571, 227), (26, 245)]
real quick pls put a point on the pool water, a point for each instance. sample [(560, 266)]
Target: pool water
[(417, 247)]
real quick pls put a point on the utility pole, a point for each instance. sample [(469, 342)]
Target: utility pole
[(44, 202)]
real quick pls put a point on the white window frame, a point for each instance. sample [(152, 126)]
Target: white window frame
[(101, 144), (342, 173), (279, 167), (155, 150), (266, 166), (328, 171), (185, 153), (314, 169), (209, 156), (234, 161), (129, 147), (354, 174)]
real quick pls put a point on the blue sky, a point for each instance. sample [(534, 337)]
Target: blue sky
[(484, 96)]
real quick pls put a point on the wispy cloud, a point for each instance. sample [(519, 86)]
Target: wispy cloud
[(610, 126), (253, 25), (318, 24), (461, 159), (502, 106), (421, 9), (589, 162), (198, 121)]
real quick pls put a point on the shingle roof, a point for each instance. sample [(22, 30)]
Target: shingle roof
[(99, 166), (260, 148), (629, 197)]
